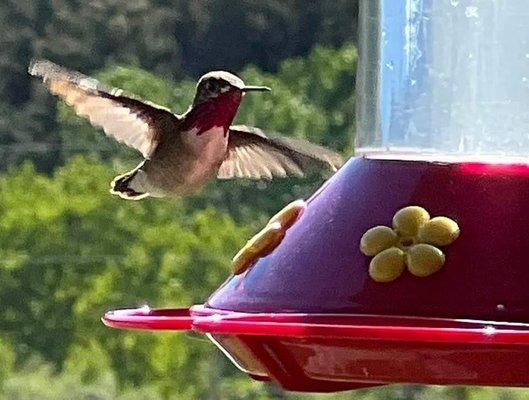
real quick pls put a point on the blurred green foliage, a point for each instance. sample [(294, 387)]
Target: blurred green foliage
[(70, 251)]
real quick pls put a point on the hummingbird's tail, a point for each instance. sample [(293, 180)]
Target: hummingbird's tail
[(123, 186)]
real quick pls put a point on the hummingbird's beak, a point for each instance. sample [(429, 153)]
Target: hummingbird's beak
[(255, 89)]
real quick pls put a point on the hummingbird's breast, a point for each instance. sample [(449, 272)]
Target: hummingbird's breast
[(209, 147), (182, 167), (208, 150)]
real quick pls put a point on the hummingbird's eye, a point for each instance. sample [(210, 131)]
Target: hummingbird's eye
[(209, 86)]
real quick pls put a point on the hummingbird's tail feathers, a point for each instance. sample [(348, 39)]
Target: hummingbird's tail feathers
[(123, 187)]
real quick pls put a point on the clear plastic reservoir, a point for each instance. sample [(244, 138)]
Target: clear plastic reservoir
[(444, 78)]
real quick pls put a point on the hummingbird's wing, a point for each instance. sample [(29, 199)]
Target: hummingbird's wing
[(137, 123), (252, 154)]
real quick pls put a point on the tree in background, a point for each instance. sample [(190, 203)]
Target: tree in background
[(171, 38), (70, 251)]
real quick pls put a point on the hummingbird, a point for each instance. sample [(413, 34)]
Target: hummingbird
[(181, 153)]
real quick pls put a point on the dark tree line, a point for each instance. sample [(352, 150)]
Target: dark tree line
[(174, 38)]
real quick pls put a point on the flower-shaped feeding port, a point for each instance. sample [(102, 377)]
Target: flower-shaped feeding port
[(411, 243), (264, 242)]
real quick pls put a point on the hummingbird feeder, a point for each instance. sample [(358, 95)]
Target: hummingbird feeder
[(410, 265)]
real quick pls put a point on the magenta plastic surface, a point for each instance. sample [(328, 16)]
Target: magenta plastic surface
[(308, 316), (318, 268), (175, 319)]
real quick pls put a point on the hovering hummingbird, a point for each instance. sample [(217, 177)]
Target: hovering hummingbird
[(182, 152)]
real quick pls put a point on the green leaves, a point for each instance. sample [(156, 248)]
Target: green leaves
[(69, 251)]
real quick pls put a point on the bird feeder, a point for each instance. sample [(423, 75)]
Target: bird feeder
[(410, 265)]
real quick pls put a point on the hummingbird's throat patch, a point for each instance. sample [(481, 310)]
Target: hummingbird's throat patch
[(218, 111)]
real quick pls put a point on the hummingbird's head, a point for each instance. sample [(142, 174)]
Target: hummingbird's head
[(216, 83)]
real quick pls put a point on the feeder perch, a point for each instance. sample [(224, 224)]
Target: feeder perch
[(441, 171)]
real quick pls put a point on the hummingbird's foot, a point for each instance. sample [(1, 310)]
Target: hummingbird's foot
[(120, 186)]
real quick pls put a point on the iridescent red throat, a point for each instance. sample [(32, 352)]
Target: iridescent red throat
[(218, 111)]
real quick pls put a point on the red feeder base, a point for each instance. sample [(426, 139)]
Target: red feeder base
[(309, 316), (324, 353)]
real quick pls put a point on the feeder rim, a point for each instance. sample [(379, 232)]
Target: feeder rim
[(337, 326), (434, 156)]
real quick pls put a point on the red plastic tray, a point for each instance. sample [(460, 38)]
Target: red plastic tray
[(318, 271), (145, 318), (360, 327), (339, 352)]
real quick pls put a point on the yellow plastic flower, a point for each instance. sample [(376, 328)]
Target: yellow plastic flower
[(412, 242), (268, 238), (258, 246), (387, 265)]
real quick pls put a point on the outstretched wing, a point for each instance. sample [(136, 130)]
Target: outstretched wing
[(252, 154), (138, 124)]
